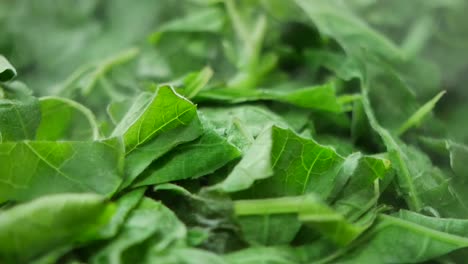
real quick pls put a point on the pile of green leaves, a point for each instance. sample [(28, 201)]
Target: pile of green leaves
[(233, 131)]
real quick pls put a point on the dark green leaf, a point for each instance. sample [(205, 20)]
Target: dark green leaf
[(334, 19), (362, 190), (153, 126), (7, 71), (191, 160), (153, 114), (211, 217)]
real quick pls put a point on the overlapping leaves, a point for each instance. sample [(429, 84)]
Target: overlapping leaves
[(232, 132)]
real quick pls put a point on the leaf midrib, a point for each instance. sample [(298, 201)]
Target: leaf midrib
[(150, 135)]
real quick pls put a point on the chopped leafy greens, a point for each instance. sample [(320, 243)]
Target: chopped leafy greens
[(233, 131)]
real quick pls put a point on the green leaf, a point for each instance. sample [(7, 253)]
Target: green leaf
[(334, 19), (63, 118), (209, 216), (151, 115), (308, 253), (344, 67), (19, 113), (324, 175), (458, 158), (320, 97), (150, 227), (7, 71), (256, 164), (124, 206), (423, 186), (142, 157), (242, 124), (362, 191), (191, 160), (299, 166), (30, 230), (408, 238), (208, 20), (455, 152), (371, 57), (268, 229), (154, 125), (30, 169)]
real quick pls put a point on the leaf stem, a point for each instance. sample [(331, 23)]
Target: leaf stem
[(82, 109), (416, 118), (239, 26), (393, 148), (283, 205), (105, 67)]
